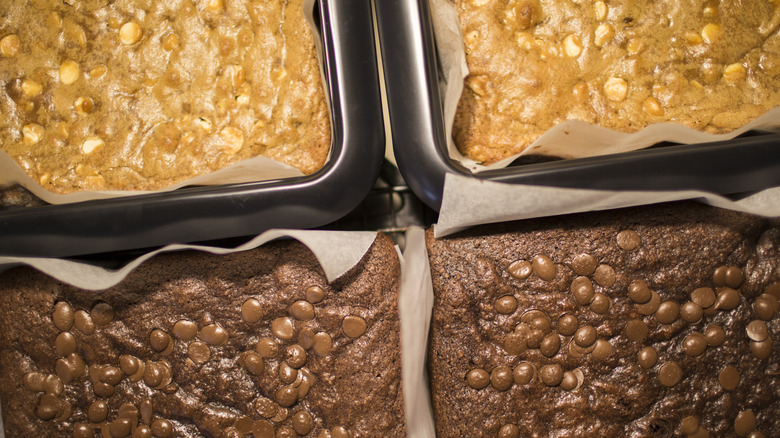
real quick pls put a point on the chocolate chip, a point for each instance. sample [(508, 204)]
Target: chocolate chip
[(244, 425), (251, 311), (49, 407), (153, 374), (83, 322), (691, 312), (572, 380), (322, 344), (651, 306), (110, 375), (302, 310), (306, 338), (296, 356), (600, 304), (543, 267), (520, 269), (159, 340), (33, 381), (774, 290), (199, 352), (65, 344), (146, 411), (551, 375), (585, 336), (353, 326), (515, 343), (715, 335), (120, 428), (694, 344), (604, 276), (602, 351), (729, 378), (506, 305), (214, 334), (478, 378), (287, 374), (185, 330), (97, 411), (628, 240), (302, 422), (267, 348), (339, 432), (745, 423), (501, 378), (534, 338), (647, 357), (582, 290), (765, 307), (314, 294), (142, 431), (53, 385), (253, 363), (584, 264), (509, 431), (719, 276), (638, 292), (670, 374), (102, 313), (83, 430), (162, 428), (704, 297), (63, 316), (541, 323), (283, 328), (727, 299), (550, 345), (757, 331), (733, 277), (689, 425), (523, 373), (667, 312), (286, 432), (69, 368), (286, 396), (762, 349), (266, 407), (568, 324)]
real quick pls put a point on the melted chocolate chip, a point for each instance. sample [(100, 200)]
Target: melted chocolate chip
[(506, 305), (691, 312), (97, 411), (353, 326), (551, 375), (602, 351), (478, 378), (253, 363), (515, 343), (162, 428), (65, 344), (638, 292), (584, 264), (766, 307), (523, 373), (604, 276), (647, 357), (670, 374), (48, 407), (585, 336), (568, 324), (582, 290), (283, 328), (667, 312), (322, 344), (509, 431), (694, 344), (199, 352), (501, 378), (83, 322), (214, 334), (520, 269), (745, 423), (302, 422), (314, 294), (689, 425), (543, 267), (729, 378), (704, 297), (83, 430), (550, 345), (302, 310), (727, 299), (267, 348), (757, 331), (600, 304), (296, 356), (62, 316), (628, 240), (715, 335), (159, 340), (651, 306), (251, 311), (102, 313), (762, 349)]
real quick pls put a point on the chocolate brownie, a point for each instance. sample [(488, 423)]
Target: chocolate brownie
[(653, 321), (190, 344)]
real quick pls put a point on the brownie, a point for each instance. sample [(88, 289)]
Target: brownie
[(255, 343), (654, 321)]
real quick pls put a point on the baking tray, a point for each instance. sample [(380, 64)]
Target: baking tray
[(411, 73), (206, 213)]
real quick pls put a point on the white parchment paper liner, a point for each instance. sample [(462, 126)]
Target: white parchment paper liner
[(415, 306), (569, 139), (469, 201), (250, 170), (337, 252)]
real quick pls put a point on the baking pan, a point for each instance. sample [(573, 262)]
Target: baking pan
[(411, 71), (207, 213)]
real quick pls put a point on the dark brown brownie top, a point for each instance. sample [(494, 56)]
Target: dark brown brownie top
[(654, 321), (192, 344)]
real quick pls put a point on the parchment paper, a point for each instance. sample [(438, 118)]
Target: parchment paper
[(570, 139), (250, 170), (415, 306), (470, 201)]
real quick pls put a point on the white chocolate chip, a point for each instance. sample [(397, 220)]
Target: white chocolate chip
[(233, 138), (601, 10), (236, 75), (203, 123), (91, 144), (734, 73), (214, 5), (32, 133), (10, 46), (83, 105), (130, 33), (97, 71), (171, 42), (69, 72), (653, 107), (711, 33), (479, 2), (634, 46), (604, 34), (31, 88), (572, 45), (693, 38), (616, 89), (525, 40)]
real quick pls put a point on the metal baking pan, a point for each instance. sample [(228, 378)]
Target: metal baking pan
[(207, 213), (411, 72)]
